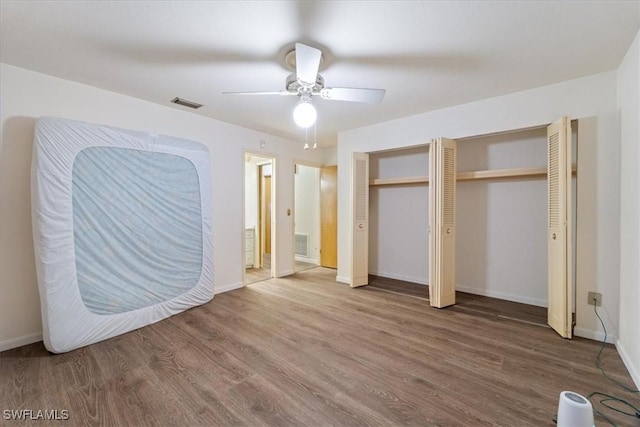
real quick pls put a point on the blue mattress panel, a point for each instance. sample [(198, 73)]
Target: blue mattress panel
[(137, 226)]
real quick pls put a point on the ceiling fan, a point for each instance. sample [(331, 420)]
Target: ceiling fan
[(305, 83)]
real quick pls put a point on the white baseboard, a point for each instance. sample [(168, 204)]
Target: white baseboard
[(634, 371), (501, 295), (418, 280), (20, 341), (343, 279), (470, 290), (285, 273), (305, 259), (226, 288), (593, 335)]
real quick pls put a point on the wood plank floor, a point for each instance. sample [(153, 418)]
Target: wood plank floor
[(253, 275), (469, 303), (306, 351)]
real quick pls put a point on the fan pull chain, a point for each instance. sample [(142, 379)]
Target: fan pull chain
[(306, 138), (315, 136)]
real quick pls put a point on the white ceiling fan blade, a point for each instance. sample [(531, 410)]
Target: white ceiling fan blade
[(279, 92), (353, 94), (307, 64)]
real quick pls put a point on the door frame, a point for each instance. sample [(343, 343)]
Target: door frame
[(262, 199), (268, 158)]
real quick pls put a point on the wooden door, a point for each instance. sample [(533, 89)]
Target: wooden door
[(359, 220), (267, 214), (559, 313), (442, 222), (329, 217)]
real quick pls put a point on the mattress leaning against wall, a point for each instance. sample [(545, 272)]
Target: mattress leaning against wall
[(121, 228)]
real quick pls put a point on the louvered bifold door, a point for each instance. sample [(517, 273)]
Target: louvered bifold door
[(559, 314), (360, 219), (442, 222)]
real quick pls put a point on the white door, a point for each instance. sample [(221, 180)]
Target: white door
[(559, 314), (442, 222), (359, 219)]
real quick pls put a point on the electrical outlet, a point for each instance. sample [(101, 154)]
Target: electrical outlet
[(594, 298)]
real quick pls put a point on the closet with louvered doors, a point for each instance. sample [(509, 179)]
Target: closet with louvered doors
[(399, 217), (442, 222), (490, 233), (410, 226), (516, 210)]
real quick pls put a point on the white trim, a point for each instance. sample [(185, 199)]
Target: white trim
[(270, 158), (502, 295), (285, 273), (594, 335), (417, 280), (635, 374), (307, 260), (20, 341), (343, 279), (226, 288)]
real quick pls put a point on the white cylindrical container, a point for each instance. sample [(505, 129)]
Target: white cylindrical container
[(574, 410)]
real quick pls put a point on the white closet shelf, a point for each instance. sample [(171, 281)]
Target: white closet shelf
[(399, 181), (467, 176)]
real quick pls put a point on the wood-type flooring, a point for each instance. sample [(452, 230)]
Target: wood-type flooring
[(307, 351), (469, 303), (253, 275)]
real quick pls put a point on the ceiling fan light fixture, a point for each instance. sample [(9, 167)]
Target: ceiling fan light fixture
[(305, 114)]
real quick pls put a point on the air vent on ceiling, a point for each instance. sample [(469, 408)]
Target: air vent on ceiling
[(186, 103)]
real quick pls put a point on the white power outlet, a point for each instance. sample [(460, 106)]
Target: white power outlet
[(594, 298)]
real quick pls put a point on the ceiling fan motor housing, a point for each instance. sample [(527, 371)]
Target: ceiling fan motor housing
[(293, 85)]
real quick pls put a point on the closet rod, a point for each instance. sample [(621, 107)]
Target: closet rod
[(468, 176)]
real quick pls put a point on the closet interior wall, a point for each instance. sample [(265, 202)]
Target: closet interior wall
[(399, 216), (502, 223)]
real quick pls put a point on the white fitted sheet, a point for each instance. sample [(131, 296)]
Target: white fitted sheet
[(122, 229)]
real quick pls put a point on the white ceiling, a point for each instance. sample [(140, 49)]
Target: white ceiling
[(427, 55)]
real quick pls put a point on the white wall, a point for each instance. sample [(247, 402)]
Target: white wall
[(27, 95), (330, 156), (398, 216), (307, 209), (501, 225), (591, 99), (629, 105)]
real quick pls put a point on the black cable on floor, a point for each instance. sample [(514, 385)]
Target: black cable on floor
[(606, 397)]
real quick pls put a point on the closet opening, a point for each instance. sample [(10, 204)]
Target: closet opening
[(399, 220), (501, 253)]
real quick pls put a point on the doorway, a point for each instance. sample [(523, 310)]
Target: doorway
[(306, 236), (259, 228)]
